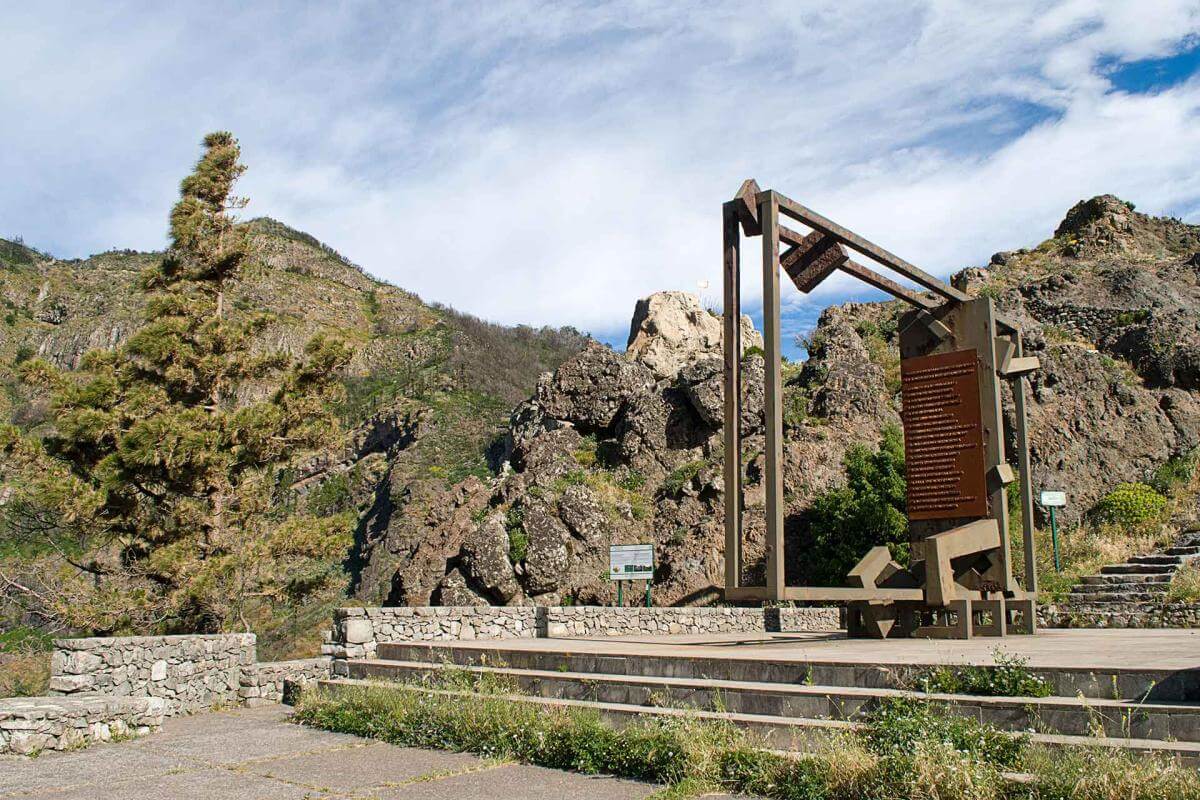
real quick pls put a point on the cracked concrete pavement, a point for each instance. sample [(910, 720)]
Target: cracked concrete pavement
[(256, 754)]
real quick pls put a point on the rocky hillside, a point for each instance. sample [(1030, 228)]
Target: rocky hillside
[(626, 447), (428, 389)]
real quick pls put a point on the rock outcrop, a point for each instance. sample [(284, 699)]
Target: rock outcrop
[(671, 329), (625, 447)]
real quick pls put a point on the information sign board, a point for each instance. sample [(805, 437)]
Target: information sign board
[(1054, 499), (631, 562)]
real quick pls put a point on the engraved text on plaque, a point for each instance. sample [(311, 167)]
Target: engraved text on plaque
[(943, 436)]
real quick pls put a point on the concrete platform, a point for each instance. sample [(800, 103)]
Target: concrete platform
[(1158, 665), (1173, 649), (1136, 690)]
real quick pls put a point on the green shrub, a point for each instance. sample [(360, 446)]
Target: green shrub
[(518, 540), (844, 523), (332, 496), (897, 725), (1010, 677), (754, 350), (680, 477), (1133, 317), (1129, 505), (1176, 472), (632, 481)]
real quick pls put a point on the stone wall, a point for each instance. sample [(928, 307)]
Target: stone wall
[(29, 725), (357, 631), (1121, 615), (190, 672), (263, 683), (604, 621)]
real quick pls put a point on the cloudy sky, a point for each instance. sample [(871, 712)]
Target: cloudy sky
[(549, 163)]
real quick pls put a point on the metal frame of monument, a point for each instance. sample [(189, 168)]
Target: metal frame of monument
[(960, 582)]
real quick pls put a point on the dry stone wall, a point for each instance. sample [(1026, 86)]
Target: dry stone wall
[(29, 725), (189, 672), (604, 621), (265, 683), (357, 631), (1121, 615)]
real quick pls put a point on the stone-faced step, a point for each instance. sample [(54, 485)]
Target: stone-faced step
[(1063, 715), (1149, 598), (1156, 558), (1130, 578), (1187, 552), (784, 733), (1137, 591), (1139, 569), (1153, 684)]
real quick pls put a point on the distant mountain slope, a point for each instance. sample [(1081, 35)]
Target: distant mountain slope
[(428, 389)]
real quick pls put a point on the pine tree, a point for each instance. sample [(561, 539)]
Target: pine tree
[(158, 487)]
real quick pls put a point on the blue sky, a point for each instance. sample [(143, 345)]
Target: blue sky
[(550, 163)]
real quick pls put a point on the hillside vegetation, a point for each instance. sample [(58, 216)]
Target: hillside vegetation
[(179, 457)]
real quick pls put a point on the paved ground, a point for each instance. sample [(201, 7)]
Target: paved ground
[(1077, 648), (255, 754)]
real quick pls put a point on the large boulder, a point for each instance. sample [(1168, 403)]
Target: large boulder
[(590, 389), (547, 558), (485, 558), (455, 591), (671, 330), (846, 383), (703, 382), (584, 516)]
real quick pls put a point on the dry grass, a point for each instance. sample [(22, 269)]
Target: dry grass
[(1185, 586), (24, 674)]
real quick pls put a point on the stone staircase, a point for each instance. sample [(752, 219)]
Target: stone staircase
[(1136, 585), (793, 703)]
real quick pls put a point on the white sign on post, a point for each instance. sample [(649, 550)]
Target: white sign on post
[(1054, 499), (631, 562)]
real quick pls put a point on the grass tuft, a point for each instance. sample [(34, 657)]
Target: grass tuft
[(906, 749)]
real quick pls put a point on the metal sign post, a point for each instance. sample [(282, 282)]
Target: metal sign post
[(1053, 500), (631, 562)]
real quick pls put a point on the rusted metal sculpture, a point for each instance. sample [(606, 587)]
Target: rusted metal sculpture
[(955, 351)]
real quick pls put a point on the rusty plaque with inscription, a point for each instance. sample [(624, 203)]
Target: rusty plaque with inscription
[(943, 436)]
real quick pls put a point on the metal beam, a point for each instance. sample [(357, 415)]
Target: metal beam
[(768, 217), (867, 275), (852, 240), (1021, 423), (857, 270), (733, 397), (746, 204)]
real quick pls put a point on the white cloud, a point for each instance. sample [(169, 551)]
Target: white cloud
[(549, 163)]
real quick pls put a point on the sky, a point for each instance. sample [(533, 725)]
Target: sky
[(550, 163)]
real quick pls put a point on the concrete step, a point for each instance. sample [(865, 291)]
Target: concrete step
[(1128, 577), (1187, 552), (1154, 685), (1071, 716), (794, 734), (1138, 569)]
